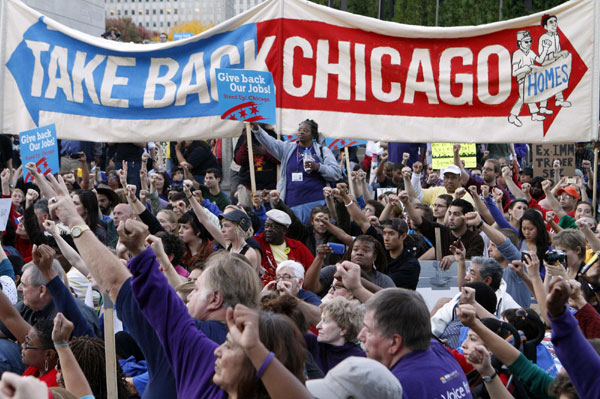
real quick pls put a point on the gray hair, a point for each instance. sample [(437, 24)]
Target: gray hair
[(37, 278), (489, 268)]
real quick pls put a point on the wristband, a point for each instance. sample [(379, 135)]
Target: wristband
[(489, 378), (349, 204), (265, 364), (480, 224), (63, 344)]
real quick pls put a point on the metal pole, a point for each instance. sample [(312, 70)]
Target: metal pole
[(330, 3), (437, 11), (344, 5), (499, 10), (380, 9)]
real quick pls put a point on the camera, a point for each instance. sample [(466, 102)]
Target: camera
[(554, 256)]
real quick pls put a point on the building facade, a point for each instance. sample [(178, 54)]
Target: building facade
[(162, 15), (84, 15)]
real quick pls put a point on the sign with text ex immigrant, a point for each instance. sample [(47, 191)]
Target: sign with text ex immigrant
[(246, 96), (40, 147)]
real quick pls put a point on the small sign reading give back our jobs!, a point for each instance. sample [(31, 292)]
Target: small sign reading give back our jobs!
[(40, 147), (246, 96)]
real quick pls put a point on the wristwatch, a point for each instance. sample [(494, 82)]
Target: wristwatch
[(489, 378), (77, 231)]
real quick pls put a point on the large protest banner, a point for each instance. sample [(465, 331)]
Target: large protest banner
[(522, 80)]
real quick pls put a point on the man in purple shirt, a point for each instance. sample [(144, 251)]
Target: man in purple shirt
[(396, 333)]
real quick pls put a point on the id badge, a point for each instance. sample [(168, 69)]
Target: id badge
[(297, 176)]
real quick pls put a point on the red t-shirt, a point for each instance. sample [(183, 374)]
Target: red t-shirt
[(49, 378)]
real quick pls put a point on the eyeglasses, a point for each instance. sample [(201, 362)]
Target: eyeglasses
[(26, 344), (285, 277)]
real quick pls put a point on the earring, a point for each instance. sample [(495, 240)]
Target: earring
[(46, 366)]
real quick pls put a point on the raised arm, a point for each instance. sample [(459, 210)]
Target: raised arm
[(510, 183), (12, 319), (410, 209), (480, 206), (355, 213), (175, 280), (107, 270), (552, 200), (74, 379), (532, 264), (312, 281), (591, 238), (66, 250), (203, 217), (464, 175)]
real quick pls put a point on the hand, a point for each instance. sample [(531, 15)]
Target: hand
[(243, 327), (393, 200), (459, 193), (145, 157), (446, 262), (585, 164), (374, 221), (43, 258), (506, 172), (485, 191), (480, 358), (518, 267), (323, 251), (188, 183), (31, 196), (361, 176), (458, 251), (82, 157), (467, 296), (556, 270), (51, 227), (405, 157), (560, 291), (122, 173), (526, 188), (61, 204), (69, 178), (269, 288), (582, 225), (486, 153), (532, 264), (576, 300), (546, 43), (350, 274), (327, 192), (467, 315), (284, 288), (256, 200), (353, 175), (431, 178), (403, 196), (546, 185), (473, 191), (456, 149), (556, 164), (472, 219), (30, 166), (133, 235), (274, 196), (406, 172), (17, 387), (131, 190), (143, 174), (549, 216), (157, 246), (197, 195), (61, 333), (498, 194), (417, 167), (383, 157), (144, 197)]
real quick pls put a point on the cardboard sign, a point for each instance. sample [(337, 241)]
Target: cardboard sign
[(443, 155), (182, 35), (5, 204), (435, 283), (40, 147), (545, 154), (246, 96)]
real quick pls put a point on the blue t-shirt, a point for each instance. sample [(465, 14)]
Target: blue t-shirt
[(309, 297)]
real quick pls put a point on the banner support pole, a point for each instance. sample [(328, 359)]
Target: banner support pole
[(350, 184), (109, 348), (3, 44), (250, 157), (595, 184)]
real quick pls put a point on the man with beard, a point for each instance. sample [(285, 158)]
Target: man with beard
[(277, 248), (107, 199), (455, 231), (490, 172)]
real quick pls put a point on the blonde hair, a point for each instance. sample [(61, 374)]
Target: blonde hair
[(347, 314), (184, 289), (234, 277)]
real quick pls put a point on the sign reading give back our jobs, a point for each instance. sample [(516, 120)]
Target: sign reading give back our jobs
[(247, 96), (40, 147)]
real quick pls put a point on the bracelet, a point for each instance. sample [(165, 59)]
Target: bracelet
[(265, 364), (480, 224), (349, 204), (64, 344)]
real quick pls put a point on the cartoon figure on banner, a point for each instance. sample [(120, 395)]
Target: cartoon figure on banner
[(522, 65), (550, 23)]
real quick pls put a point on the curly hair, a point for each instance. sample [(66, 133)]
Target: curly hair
[(89, 353), (348, 315)]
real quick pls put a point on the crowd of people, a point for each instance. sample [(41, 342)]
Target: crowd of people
[(307, 287)]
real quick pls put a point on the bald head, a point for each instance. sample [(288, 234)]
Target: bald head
[(122, 212)]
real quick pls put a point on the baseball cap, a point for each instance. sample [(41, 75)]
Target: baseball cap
[(527, 171), (238, 217), (570, 190), (359, 378), (279, 217), (452, 169), (522, 34), (396, 224)]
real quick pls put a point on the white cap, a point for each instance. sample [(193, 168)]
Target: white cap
[(359, 378), (279, 217), (452, 169)]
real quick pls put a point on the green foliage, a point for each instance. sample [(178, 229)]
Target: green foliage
[(450, 13), (130, 32)]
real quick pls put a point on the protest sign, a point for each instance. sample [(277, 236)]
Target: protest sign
[(336, 144), (357, 77), (182, 35), (443, 155), (5, 204), (544, 156), (247, 96), (40, 146)]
